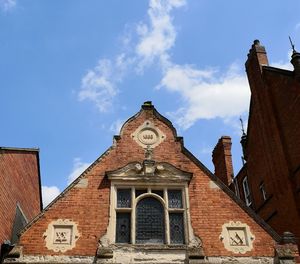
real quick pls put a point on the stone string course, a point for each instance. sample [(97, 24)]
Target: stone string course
[(88, 260)]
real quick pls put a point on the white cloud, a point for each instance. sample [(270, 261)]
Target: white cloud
[(116, 126), (7, 5), (205, 94), (297, 27), (283, 65), (49, 193), (158, 37), (99, 85), (78, 168), (286, 64), (235, 123)]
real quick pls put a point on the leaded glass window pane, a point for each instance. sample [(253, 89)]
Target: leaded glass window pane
[(150, 225), (139, 192), (159, 192), (123, 228), (176, 228), (175, 198), (124, 198)]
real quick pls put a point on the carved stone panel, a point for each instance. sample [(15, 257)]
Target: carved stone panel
[(148, 136), (237, 237), (61, 235), (149, 171)]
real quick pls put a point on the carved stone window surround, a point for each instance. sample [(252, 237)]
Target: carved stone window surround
[(150, 175)]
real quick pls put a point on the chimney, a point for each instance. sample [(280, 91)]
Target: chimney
[(257, 56), (221, 158)]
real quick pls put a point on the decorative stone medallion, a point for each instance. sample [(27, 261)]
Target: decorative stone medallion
[(237, 237), (61, 235), (148, 136)]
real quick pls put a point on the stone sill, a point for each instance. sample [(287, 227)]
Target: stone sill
[(151, 246)]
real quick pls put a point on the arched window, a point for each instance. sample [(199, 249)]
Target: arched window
[(150, 223), (150, 215)]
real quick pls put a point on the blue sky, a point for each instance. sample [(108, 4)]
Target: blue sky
[(72, 71)]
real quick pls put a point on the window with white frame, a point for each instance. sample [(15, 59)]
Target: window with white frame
[(263, 191), (150, 215), (247, 193)]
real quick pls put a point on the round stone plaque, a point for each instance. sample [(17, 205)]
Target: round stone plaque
[(148, 136)]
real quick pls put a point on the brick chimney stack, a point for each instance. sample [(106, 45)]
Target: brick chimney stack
[(221, 158), (257, 57)]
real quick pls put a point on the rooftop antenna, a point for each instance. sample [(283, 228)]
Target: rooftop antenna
[(242, 124), (292, 44)]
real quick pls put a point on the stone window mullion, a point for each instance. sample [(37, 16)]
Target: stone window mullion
[(167, 216), (133, 215), (186, 214)]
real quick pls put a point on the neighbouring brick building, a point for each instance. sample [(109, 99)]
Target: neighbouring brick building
[(269, 181), (20, 190), (147, 199)]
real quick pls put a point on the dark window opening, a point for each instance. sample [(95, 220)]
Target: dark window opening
[(159, 192), (124, 198), (263, 191), (123, 228), (176, 228), (175, 199), (150, 223), (139, 192)]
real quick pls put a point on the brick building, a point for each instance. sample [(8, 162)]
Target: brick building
[(20, 190), (269, 181), (147, 199)]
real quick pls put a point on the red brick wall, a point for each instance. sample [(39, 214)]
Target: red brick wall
[(19, 183), (273, 145), (89, 207), (285, 94)]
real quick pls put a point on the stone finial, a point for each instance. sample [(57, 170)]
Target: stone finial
[(296, 63), (148, 153), (256, 42), (147, 105)]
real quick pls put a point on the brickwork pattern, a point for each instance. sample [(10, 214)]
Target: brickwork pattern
[(89, 207), (19, 183), (273, 146)]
